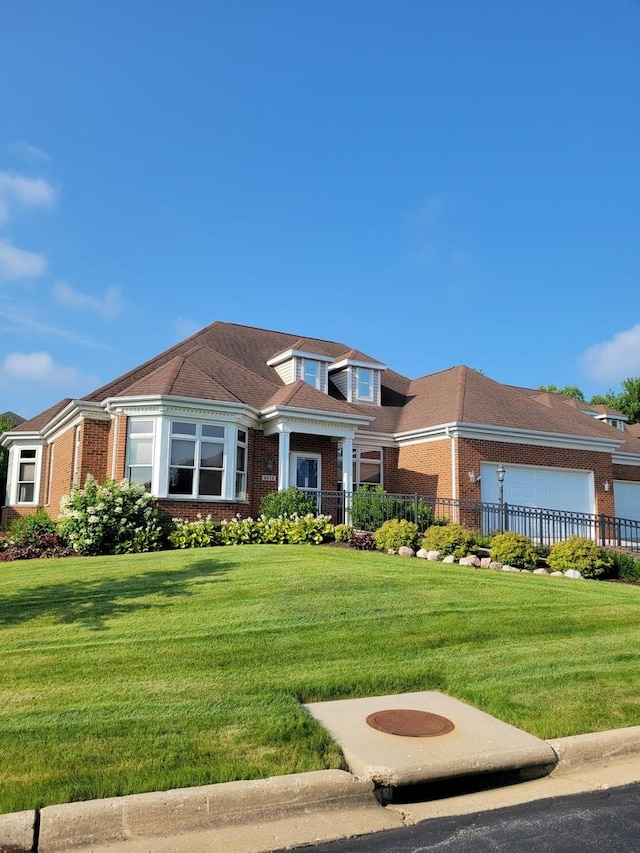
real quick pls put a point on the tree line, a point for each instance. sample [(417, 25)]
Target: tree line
[(626, 401)]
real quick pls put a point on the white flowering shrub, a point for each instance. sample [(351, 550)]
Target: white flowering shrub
[(111, 518)]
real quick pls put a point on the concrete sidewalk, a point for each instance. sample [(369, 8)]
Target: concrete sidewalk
[(289, 811)]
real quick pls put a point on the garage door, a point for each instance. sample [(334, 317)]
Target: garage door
[(627, 498), (545, 488)]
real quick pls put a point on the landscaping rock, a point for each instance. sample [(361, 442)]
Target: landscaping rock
[(557, 575), (436, 556), (406, 551), (391, 551), (510, 569), (494, 564), (573, 573), (485, 562), (540, 571), (449, 559), (424, 555)]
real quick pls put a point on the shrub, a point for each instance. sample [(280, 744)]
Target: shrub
[(623, 565), (30, 528), (371, 506), (294, 530), (451, 539), (581, 554), (47, 545), (201, 533), (343, 532), (395, 533), (289, 502), (514, 549), (112, 518), (362, 540)]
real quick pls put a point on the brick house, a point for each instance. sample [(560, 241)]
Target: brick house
[(213, 423)]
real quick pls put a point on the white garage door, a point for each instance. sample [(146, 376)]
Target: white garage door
[(545, 488), (627, 498)]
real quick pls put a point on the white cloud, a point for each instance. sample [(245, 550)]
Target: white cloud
[(30, 153), (108, 307), (40, 367), (17, 264), (20, 191), (185, 328), (614, 360)]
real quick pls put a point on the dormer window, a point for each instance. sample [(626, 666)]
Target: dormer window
[(365, 384), (311, 372)]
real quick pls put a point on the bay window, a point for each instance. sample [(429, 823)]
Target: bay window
[(140, 453), (196, 459)]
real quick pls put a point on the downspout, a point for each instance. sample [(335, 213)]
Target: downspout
[(454, 471)]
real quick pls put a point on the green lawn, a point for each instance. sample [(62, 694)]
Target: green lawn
[(126, 674)]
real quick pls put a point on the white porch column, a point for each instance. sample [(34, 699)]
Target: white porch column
[(283, 460), (347, 464), (347, 476)]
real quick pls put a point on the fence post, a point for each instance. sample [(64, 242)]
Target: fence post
[(602, 530), (415, 509), (505, 517)]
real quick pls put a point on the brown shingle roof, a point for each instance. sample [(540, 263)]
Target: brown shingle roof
[(302, 396), (40, 421), (464, 395)]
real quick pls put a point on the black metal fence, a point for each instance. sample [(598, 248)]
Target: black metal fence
[(368, 510)]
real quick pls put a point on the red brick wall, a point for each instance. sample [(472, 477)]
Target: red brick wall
[(94, 443), (62, 470), (424, 469)]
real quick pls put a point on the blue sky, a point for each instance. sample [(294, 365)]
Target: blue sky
[(434, 183)]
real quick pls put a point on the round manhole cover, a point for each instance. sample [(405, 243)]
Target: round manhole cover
[(409, 723)]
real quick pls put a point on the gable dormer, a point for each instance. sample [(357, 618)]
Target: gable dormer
[(298, 363), (358, 377)]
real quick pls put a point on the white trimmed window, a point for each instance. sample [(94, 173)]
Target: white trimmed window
[(364, 384), (311, 372), (241, 465), (140, 452), (27, 475), (197, 459), (367, 466)]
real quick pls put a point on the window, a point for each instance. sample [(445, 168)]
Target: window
[(140, 453), (365, 383), (27, 476), (197, 459), (367, 466), (311, 372), (241, 465)]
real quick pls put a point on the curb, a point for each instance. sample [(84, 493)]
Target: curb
[(574, 751), (233, 805)]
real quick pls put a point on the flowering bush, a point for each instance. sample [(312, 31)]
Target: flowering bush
[(112, 518), (293, 530), (289, 530), (201, 533)]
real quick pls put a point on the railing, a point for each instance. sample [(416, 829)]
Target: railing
[(368, 510)]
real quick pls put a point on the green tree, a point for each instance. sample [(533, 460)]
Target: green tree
[(568, 391), (627, 401), (6, 423)]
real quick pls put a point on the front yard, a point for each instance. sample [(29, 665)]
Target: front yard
[(160, 670)]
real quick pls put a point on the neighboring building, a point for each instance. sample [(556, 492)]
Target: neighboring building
[(15, 420), (215, 422)]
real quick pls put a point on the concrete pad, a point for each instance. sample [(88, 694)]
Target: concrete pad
[(479, 743)]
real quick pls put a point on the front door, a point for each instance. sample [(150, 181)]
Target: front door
[(305, 471)]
